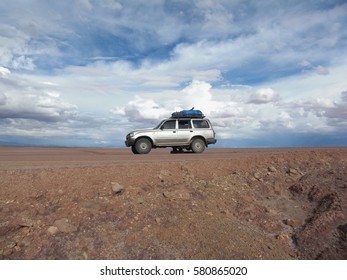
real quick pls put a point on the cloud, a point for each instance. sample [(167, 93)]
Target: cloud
[(201, 40), (22, 99), (280, 121), (241, 112), (35, 113), (85, 4), (21, 48), (143, 110), (37, 106), (338, 112), (217, 19), (224, 112), (4, 71), (196, 94), (3, 99), (320, 70), (83, 66), (23, 62), (263, 96), (112, 4)]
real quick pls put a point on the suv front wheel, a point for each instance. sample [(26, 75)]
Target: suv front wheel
[(198, 145), (142, 146)]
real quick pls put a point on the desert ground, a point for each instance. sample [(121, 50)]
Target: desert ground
[(247, 204)]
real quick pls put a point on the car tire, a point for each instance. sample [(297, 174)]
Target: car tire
[(133, 149), (143, 146), (198, 145)]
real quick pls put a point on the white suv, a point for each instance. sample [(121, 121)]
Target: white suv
[(191, 134)]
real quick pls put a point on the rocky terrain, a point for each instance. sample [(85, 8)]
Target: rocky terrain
[(256, 204)]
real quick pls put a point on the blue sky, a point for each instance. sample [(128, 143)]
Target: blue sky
[(86, 72)]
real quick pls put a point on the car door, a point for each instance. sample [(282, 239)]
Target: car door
[(166, 134), (184, 131)]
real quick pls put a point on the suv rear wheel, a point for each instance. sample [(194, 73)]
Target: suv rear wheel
[(143, 146), (198, 145)]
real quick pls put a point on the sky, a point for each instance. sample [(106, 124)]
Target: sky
[(267, 73)]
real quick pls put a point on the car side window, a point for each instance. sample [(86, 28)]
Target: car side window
[(169, 125), (184, 124), (200, 124)]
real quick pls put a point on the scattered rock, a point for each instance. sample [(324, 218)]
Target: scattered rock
[(11, 243), (178, 194), (226, 212), (146, 228), (53, 230), (117, 188), (26, 230), (271, 169), (168, 195), (293, 222), (283, 236), (89, 204), (17, 248), (184, 195), (293, 171), (257, 175), (184, 168), (65, 226), (282, 204), (271, 211), (25, 222)]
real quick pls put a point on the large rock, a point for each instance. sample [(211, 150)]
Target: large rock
[(64, 225), (117, 188)]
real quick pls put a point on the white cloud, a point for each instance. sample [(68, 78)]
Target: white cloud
[(217, 19), (198, 95), (23, 62), (144, 110), (153, 107), (263, 96), (22, 99), (19, 47), (213, 55), (154, 57), (4, 71), (337, 113), (246, 111), (322, 70), (278, 122)]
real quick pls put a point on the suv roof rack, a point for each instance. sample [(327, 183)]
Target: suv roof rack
[(201, 117)]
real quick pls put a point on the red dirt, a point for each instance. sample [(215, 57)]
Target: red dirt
[(84, 203)]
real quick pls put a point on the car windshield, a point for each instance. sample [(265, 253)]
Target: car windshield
[(157, 127)]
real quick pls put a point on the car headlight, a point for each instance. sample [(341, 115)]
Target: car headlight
[(131, 134)]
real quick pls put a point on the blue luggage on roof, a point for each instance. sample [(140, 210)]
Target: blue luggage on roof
[(188, 114)]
